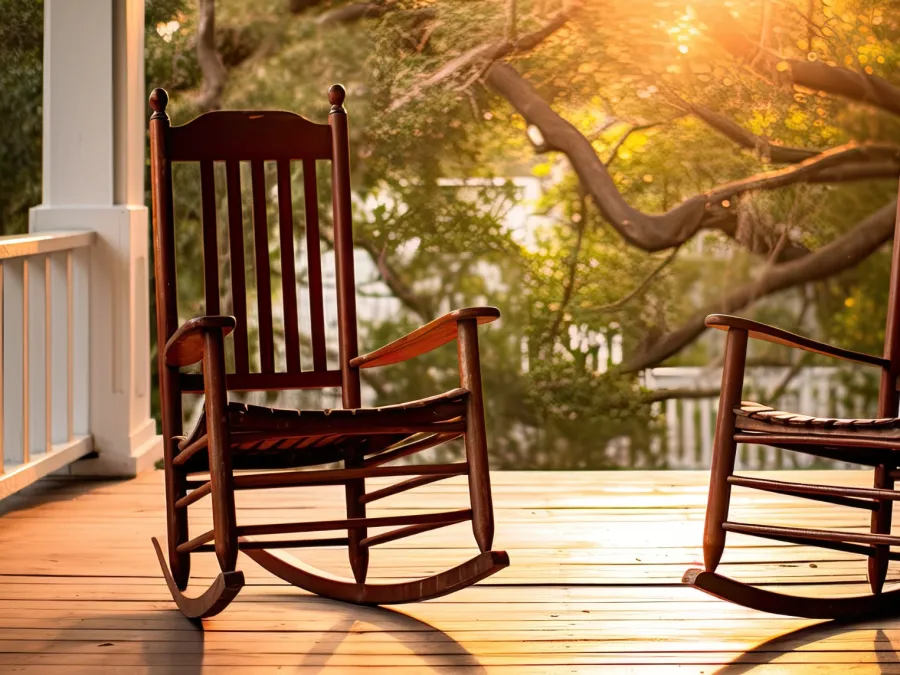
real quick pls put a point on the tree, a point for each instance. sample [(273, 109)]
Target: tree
[(695, 158)]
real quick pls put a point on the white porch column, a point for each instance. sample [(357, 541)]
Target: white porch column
[(93, 178)]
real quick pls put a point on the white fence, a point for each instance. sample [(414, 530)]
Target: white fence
[(689, 423), (44, 329)]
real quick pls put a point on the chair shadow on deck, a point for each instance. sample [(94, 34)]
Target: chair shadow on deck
[(885, 654), (298, 633)]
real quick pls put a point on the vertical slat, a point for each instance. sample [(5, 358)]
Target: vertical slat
[(288, 272), (263, 274), (210, 240), (314, 265), (70, 347), (48, 356), (79, 363), (13, 366), (238, 287), (26, 422), (1, 368), (58, 344)]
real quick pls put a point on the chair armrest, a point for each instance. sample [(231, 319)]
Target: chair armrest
[(185, 347), (761, 331), (425, 339)]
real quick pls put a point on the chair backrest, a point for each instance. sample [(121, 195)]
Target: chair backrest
[(888, 398), (281, 139)]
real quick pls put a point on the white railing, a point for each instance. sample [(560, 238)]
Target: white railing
[(44, 351), (689, 423)]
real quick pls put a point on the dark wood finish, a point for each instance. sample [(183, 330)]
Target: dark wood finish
[(476, 436), (409, 484), (347, 590), (238, 270), (192, 383), (241, 136), (221, 477), (216, 598), (185, 347), (810, 534), (766, 333), (314, 265), (263, 273), (425, 339), (288, 271), (724, 448), (166, 325), (398, 451), (410, 530), (856, 497), (210, 238), (267, 447), (347, 337), (867, 441), (343, 476), (806, 607)]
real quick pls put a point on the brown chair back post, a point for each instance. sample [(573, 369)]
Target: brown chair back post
[(888, 398), (343, 246), (346, 292), (887, 407), (166, 324)]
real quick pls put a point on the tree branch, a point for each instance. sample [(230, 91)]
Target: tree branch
[(214, 73), (618, 146), (484, 55), (815, 75), (639, 288), (843, 253), (355, 12), (653, 233), (778, 154), (573, 268), (420, 306)]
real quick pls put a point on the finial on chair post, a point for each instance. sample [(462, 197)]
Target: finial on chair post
[(159, 99), (336, 95)]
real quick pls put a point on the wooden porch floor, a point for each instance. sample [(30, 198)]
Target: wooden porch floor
[(594, 587)]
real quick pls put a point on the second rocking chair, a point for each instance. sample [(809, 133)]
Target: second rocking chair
[(274, 448), (872, 443)]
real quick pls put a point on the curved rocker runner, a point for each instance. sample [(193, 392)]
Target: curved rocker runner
[(871, 442), (348, 590), (277, 448)]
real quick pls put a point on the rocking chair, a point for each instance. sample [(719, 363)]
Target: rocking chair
[(273, 448), (867, 442)]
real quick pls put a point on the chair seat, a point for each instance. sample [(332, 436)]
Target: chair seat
[(750, 414), (276, 438)]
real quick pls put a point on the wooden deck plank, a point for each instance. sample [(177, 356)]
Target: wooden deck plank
[(594, 585)]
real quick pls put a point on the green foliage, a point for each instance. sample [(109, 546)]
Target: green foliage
[(21, 69), (568, 285)]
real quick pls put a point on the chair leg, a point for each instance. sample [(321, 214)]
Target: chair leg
[(176, 519), (724, 448), (355, 489), (476, 436), (221, 477), (881, 524)]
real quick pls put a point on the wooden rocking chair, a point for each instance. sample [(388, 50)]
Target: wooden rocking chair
[(271, 446), (867, 442)]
